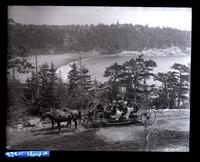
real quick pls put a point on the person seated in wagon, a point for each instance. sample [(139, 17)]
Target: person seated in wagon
[(134, 111), (124, 110), (114, 108), (120, 109)]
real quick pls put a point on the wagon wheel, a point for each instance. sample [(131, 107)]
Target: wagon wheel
[(148, 117)]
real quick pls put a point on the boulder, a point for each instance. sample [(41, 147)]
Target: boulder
[(33, 122), (19, 126), (39, 125), (9, 129), (46, 121)]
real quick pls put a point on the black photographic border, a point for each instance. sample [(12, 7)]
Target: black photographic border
[(92, 155)]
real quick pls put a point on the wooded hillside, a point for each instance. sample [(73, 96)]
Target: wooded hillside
[(107, 39)]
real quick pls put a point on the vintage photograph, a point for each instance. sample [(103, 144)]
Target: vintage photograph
[(100, 78)]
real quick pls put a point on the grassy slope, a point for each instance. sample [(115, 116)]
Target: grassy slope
[(171, 129)]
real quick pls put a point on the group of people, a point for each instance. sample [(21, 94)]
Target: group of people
[(112, 110), (116, 109)]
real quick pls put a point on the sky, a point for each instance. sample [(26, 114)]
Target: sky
[(179, 18)]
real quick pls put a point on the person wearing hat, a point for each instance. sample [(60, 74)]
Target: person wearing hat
[(124, 110), (107, 110), (114, 107), (120, 105)]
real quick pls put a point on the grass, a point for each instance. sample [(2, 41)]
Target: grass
[(88, 141), (169, 133), (162, 140)]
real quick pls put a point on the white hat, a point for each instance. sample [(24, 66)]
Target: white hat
[(125, 102)]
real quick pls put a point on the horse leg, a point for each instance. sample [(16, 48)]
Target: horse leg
[(69, 123), (52, 122), (79, 117), (75, 122), (58, 123)]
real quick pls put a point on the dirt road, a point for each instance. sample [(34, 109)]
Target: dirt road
[(170, 132)]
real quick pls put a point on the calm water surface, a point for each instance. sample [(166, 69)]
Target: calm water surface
[(98, 64)]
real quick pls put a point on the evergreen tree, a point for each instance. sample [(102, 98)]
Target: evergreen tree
[(136, 72), (79, 86), (175, 86), (73, 77), (50, 93), (182, 85), (129, 79), (114, 73), (84, 78), (73, 89), (17, 62), (162, 92), (167, 92)]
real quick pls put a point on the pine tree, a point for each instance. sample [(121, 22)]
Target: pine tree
[(129, 79), (162, 91), (182, 86), (84, 78), (57, 87), (167, 92), (50, 92), (114, 73), (73, 77), (17, 61), (136, 72), (73, 89), (79, 86)]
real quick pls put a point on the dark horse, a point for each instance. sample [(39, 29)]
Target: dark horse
[(59, 116)]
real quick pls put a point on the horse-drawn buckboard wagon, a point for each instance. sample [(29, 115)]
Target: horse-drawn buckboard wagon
[(147, 117)]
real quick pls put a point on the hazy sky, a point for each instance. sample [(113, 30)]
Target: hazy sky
[(179, 18)]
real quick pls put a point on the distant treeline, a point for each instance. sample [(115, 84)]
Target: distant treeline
[(103, 38)]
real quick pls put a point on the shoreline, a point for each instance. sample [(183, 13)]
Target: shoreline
[(66, 66), (76, 58), (64, 60), (64, 69)]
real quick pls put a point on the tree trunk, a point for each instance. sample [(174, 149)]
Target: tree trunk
[(13, 71), (179, 93), (36, 72)]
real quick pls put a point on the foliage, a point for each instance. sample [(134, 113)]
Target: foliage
[(129, 79), (175, 87), (104, 38), (45, 90), (78, 91), (17, 61)]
